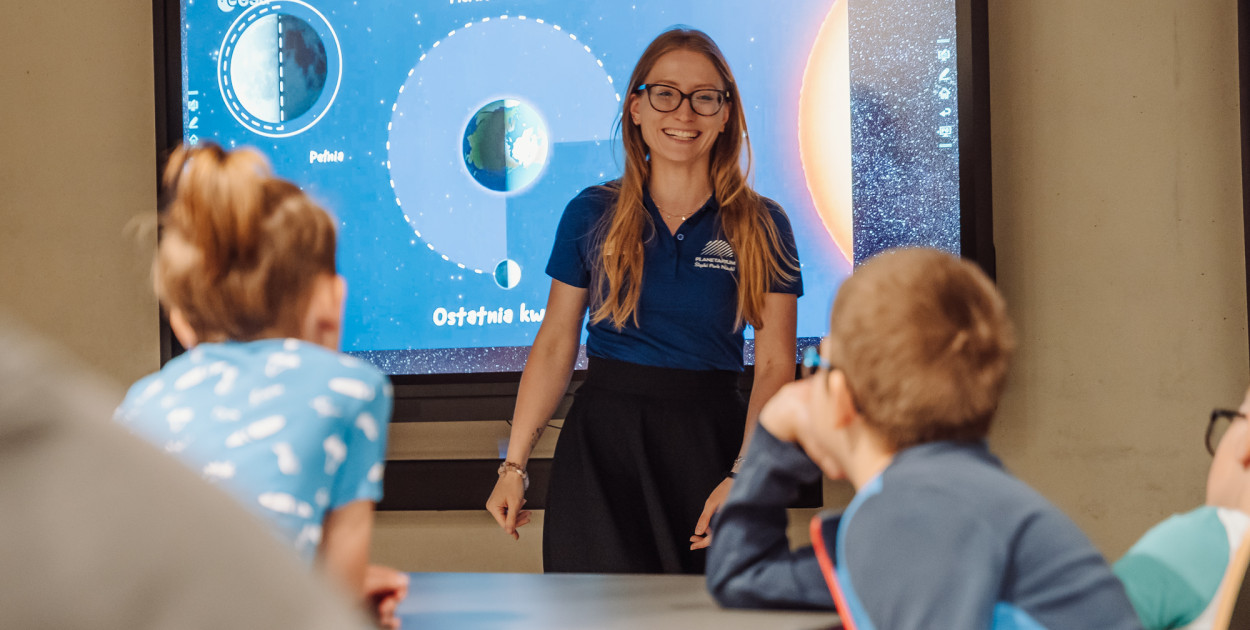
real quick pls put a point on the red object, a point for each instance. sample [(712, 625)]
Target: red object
[(826, 569)]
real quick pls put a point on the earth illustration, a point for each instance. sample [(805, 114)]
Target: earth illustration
[(505, 145)]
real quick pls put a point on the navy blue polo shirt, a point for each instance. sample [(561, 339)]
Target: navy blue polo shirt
[(689, 285)]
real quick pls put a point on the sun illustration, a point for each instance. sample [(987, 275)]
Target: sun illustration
[(825, 127)]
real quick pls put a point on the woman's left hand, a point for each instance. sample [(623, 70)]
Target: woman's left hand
[(702, 531)]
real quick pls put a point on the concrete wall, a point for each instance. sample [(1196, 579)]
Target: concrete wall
[(1118, 222), (77, 163), (1118, 225)]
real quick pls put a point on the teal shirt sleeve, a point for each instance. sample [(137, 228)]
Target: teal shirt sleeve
[(1174, 571)]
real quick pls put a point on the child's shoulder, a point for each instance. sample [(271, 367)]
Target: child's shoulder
[(1187, 535), (162, 382), (963, 480), (342, 369), (963, 493), (143, 390)]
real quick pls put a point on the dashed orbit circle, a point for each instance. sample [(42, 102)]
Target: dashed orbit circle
[(507, 57)]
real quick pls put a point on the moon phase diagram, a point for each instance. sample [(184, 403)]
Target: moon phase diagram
[(279, 68), (481, 119)]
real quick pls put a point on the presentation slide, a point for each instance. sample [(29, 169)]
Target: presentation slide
[(447, 137)]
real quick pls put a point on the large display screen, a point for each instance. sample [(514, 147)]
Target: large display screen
[(447, 137)]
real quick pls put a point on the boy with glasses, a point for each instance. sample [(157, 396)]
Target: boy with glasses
[(1173, 573), (938, 534)]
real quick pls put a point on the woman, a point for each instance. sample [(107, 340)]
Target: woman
[(262, 403), (671, 261)]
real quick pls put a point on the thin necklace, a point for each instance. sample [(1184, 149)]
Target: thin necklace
[(683, 217), (674, 216)]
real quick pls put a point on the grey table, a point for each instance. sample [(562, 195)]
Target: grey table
[(473, 601)]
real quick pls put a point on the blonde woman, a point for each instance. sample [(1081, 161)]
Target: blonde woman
[(671, 262)]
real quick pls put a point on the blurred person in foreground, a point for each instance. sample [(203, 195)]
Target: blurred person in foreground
[(100, 531)]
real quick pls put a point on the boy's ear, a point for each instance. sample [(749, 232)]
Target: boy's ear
[(324, 320), (182, 330), (845, 409), (1243, 453)]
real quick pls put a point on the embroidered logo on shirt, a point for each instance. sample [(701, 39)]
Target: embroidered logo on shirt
[(717, 254)]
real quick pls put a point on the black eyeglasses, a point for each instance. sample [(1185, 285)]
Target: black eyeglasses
[(813, 364), (666, 98), (1216, 429)]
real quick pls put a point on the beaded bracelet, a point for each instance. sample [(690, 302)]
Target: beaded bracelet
[(516, 468)]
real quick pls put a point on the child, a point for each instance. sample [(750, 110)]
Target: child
[(1174, 572), (262, 403), (938, 534)]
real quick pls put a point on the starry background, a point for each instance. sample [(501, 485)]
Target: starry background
[(904, 165), (905, 182)]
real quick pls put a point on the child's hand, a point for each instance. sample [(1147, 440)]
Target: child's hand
[(384, 589), (786, 415)]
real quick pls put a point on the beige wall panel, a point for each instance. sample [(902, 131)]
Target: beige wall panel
[(472, 541), (77, 162), (455, 541), (1119, 231), (459, 440)]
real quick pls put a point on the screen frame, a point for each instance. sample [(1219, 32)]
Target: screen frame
[(491, 396)]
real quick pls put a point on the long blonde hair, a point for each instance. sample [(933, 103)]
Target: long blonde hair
[(756, 241), (240, 248)]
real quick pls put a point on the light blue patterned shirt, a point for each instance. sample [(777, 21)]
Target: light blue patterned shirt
[(291, 429)]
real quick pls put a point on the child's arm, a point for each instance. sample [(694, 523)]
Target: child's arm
[(357, 465), (750, 564), (344, 556), (344, 549)]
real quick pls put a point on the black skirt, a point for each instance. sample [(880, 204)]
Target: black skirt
[(641, 449)]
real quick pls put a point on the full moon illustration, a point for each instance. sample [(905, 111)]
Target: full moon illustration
[(278, 68)]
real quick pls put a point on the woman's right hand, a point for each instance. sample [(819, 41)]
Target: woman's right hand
[(543, 385), (505, 504)]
